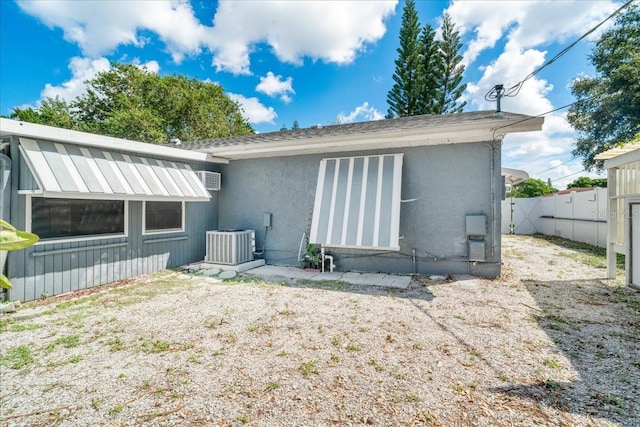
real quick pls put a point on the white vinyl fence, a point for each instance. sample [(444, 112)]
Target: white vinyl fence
[(579, 216)]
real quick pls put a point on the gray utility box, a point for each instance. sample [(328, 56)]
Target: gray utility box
[(476, 229), (476, 225), (476, 250)]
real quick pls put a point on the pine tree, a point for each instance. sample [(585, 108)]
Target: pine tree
[(428, 70), (451, 70), (403, 96)]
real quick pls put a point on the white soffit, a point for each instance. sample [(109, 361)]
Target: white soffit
[(71, 171)]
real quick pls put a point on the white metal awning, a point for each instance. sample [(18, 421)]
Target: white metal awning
[(72, 171)]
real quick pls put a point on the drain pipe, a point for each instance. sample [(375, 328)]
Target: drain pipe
[(264, 244), (413, 255), (304, 235)]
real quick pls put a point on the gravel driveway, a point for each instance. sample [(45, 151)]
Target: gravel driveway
[(549, 343)]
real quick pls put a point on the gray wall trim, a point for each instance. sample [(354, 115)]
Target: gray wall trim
[(166, 239), (69, 250)]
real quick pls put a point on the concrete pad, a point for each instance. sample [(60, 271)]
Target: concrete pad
[(335, 276), (366, 279), (240, 268), (395, 281), (210, 272), (363, 279), (229, 274), (276, 270)]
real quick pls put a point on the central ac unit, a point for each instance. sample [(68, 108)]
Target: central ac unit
[(230, 247), (210, 180)]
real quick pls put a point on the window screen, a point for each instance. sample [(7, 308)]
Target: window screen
[(162, 216), (358, 202), (57, 218)]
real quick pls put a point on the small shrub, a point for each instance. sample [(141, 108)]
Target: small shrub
[(309, 367)]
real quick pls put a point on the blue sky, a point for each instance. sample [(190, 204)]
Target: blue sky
[(315, 62)]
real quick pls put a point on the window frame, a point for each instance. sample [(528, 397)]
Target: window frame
[(182, 228), (71, 239)]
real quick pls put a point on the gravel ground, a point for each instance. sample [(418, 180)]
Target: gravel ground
[(549, 343)]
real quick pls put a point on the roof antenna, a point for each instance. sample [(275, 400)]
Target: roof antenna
[(496, 93)]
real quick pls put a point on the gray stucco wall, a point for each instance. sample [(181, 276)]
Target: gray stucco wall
[(448, 181), (51, 269)]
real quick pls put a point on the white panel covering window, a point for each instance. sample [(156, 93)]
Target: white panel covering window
[(358, 202)]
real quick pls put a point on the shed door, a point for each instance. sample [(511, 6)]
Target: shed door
[(635, 244)]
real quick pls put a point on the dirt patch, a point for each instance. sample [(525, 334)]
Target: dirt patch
[(550, 343)]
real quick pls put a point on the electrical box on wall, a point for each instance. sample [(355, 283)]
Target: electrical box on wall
[(476, 225), (476, 250), (266, 222)]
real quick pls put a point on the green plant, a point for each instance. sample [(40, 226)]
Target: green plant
[(116, 409), (17, 357), (309, 367), (271, 385), (552, 364), (13, 240), (354, 346)]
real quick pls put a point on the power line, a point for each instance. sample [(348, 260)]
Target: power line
[(567, 176), (553, 167), (498, 91)]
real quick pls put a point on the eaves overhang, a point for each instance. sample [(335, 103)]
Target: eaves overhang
[(493, 129), (50, 133)]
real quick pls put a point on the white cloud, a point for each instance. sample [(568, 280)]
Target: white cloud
[(99, 27), (527, 24), (363, 112), (83, 69), (322, 30), (274, 85), (253, 110)]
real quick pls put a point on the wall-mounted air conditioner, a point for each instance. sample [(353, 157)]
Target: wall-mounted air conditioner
[(230, 247), (210, 180)]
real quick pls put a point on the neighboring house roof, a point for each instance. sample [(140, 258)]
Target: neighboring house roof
[(380, 134), (570, 190), (514, 176)]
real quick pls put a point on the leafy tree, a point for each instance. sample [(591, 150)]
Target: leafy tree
[(449, 78), (132, 103), (295, 125), (607, 110), (404, 94), (531, 187), (586, 182), (52, 111)]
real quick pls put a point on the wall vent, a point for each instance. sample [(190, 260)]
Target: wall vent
[(210, 180), (230, 247)]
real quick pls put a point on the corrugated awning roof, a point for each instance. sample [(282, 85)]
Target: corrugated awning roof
[(71, 171), (618, 151)]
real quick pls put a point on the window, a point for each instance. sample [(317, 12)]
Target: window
[(357, 202), (64, 218), (161, 217)]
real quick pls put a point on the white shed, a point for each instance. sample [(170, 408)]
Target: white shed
[(623, 207)]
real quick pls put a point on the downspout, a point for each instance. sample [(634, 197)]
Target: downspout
[(492, 163)]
